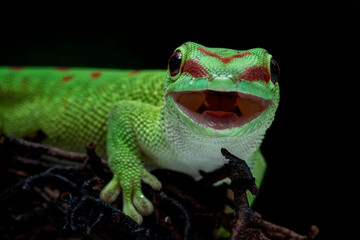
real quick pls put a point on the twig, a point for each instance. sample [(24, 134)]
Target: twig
[(184, 212), (208, 179), (78, 215), (280, 232), (241, 180), (48, 150), (244, 217), (97, 164), (247, 223)]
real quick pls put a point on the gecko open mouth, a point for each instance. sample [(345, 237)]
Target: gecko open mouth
[(220, 110)]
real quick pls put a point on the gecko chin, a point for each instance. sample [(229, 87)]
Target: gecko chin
[(220, 110)]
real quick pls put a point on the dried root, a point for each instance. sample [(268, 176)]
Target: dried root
[(52, 198)]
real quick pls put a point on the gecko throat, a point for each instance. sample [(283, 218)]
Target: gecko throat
[(220, 110)]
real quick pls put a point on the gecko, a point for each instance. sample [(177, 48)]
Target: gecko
[(176, 119)]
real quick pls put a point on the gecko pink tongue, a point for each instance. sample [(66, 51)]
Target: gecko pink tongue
[(219, 119)]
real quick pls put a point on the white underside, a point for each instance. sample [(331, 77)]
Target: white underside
[(204, 154), (189, 152)]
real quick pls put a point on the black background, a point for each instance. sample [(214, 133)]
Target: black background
[(309, 146)]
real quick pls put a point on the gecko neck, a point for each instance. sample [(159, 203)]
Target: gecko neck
[(193, 151)]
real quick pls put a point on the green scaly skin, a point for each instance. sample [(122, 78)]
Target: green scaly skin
[(140, 118)]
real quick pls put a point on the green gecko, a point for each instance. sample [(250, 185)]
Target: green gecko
[(178, 119)]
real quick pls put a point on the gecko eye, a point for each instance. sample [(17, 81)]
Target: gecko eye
[(175, 63), (275, 71)]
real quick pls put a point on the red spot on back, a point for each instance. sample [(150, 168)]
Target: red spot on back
[(62, 69), (194, 69), (95, 74), (224, 60), (134, 72), (67, 78), (256, 73), (17, 68)]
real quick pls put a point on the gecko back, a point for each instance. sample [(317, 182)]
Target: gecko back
[(70, 105)]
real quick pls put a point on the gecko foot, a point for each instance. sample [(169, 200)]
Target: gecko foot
[(135, 204)]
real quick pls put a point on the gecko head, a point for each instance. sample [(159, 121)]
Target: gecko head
[(220, 91)]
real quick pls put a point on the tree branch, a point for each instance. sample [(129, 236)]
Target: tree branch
[(244, 217), (199, 203)]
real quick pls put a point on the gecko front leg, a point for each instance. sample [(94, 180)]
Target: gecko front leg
[(126, 119)]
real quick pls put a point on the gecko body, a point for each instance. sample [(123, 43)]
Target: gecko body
[(178, 119)]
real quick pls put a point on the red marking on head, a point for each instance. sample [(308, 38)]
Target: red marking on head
[(256, 73), (240, 55), (224, 60), (67, 78), (208, 53), (62, 69), (134, 72), (17, 68), (194, 69), (95, 74)]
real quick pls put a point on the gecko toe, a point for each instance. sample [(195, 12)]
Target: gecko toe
[(151, 180), (142, 204), (111, 191), (130, 211)]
